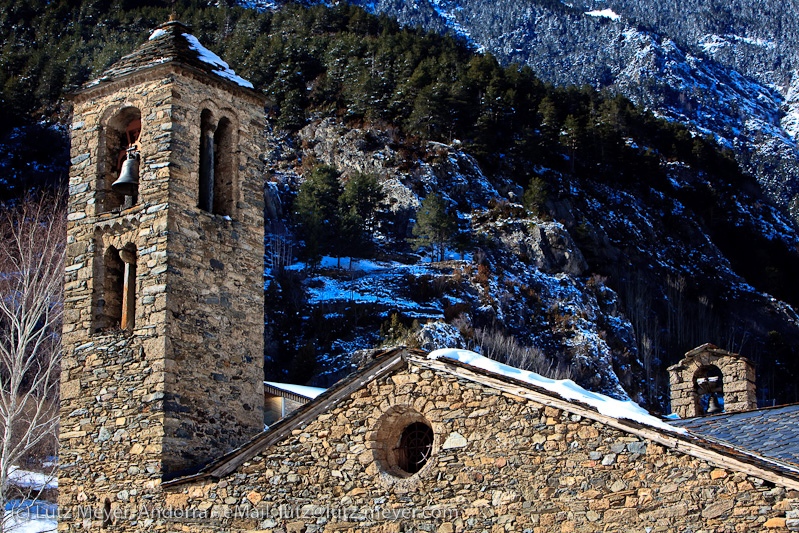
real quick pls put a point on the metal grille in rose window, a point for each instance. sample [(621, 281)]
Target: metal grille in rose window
[(414, 447)]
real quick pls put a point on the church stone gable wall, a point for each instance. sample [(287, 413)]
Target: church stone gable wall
[(501, 463), (215, 280)]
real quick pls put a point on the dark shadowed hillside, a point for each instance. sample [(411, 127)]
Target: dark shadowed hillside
[(727, 70)]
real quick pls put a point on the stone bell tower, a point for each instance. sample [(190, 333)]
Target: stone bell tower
[(163, 321)]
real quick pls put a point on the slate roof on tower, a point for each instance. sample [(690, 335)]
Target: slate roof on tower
[(171, 42)]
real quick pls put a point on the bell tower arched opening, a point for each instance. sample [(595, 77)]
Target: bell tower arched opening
[(122, 134), (115, 290), (223, 168), (216, 188)]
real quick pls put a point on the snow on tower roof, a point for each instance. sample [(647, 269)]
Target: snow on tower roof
[(171, 42)]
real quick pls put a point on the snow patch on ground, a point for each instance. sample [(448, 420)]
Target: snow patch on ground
[(259, 5), (378, 287), (566, 389), (24, 522), (712, 43), (604, 13), (32, 480)]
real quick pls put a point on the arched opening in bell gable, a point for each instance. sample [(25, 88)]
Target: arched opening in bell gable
[(709, 390)]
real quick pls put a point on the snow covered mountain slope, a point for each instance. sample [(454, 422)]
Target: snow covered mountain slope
[(738, 86)]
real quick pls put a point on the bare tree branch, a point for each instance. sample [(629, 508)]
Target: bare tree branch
[(32, 253)]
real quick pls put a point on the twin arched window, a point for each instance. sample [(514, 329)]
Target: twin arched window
[(216, 164)]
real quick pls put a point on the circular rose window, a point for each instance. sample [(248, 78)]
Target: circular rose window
[(404, 441)]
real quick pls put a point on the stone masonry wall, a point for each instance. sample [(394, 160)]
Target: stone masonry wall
[(110, 442), (501, 463)]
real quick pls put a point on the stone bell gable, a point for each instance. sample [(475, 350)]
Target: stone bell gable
[(163, 320), (710, 380), (500, 455)]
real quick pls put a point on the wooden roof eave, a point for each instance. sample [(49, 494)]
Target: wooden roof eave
[(286, 394)]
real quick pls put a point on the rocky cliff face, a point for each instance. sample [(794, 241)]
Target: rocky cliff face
[(621, 273)]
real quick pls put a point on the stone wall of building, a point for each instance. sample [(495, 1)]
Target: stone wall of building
[(215, 283), (500, 463), (111, 441)]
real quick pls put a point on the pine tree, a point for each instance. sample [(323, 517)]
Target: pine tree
[(316, 212), (570, 138), (357, 205), (362, 195), (434, 227), (535, 195)]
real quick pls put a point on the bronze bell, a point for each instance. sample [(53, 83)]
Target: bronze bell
[(713, 406), (128, 182)]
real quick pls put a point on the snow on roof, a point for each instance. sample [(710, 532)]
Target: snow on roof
[(207, 56), (605, 13), (157, 34), (566, 388), (301, 390)]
